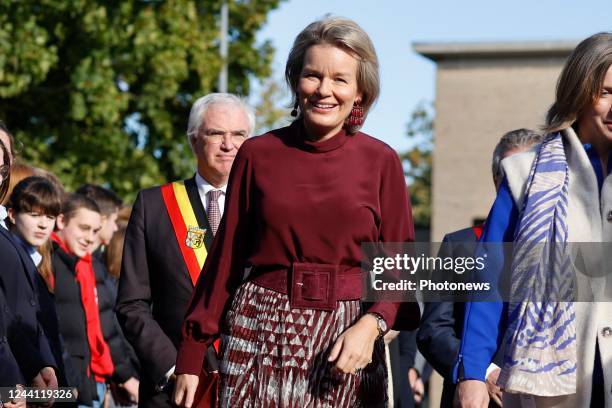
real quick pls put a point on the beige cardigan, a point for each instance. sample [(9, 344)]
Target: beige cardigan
[(588, 221)]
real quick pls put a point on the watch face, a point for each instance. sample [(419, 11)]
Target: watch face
[(382, 324)]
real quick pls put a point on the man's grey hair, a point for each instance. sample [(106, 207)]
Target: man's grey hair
[(520, 138), (201, 106)]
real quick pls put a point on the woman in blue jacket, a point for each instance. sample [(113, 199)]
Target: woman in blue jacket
[(556, 354)]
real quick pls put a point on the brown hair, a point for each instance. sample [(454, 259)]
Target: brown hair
[(40, 195), (35, 194), (114, 250), (52, 178), (107, 200), (19, 171), (580, 82), (12, 148), (45, 268), (74, 202), (6, 177), (347, 35)]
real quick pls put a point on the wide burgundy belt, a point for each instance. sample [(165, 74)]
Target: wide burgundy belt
[(312, 286)]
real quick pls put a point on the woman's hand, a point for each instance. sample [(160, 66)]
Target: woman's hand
[(185, 389), (353, 349)]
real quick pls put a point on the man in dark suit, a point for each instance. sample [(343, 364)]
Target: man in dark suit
[(439, 335), (24, 334), (169, 232)]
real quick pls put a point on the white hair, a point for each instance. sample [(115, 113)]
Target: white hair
[(201, 106)]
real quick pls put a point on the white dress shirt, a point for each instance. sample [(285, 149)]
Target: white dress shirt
[(204, 187), (4, 215), (35, 256)]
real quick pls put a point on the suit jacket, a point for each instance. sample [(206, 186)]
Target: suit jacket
[(25, 334), (10, 374), (439, 336), (155, 287), (402, 352)]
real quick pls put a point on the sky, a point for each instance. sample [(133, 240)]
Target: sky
[(407, 78)]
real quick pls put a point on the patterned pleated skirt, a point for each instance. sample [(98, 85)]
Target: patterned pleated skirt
[(275, 356)]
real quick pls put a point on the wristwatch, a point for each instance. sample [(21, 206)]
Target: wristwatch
[(381, 324), (163, 383)]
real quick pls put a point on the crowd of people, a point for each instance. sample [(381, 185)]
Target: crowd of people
[(242, 285), (59, 327)]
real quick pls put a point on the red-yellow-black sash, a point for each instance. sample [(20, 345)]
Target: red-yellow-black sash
[(190, 226), (189, 229)]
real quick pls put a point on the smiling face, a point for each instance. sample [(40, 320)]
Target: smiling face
[(80, 232), (327, 89), (224, 129), (33, 227), (595, 123)]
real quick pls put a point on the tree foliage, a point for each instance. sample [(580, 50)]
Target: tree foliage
[(100, 91), (417, 162), (270, 112)]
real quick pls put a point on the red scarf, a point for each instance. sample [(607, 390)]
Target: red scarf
[(478, 231), (101, 363)]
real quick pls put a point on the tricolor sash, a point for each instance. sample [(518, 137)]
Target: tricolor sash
[(189, 222), (194, 237)]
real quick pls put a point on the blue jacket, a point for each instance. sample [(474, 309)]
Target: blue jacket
[(484, 323)]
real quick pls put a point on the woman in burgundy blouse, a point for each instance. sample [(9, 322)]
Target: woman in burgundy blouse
[(300, 202)]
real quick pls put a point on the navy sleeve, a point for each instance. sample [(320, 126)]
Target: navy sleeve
[(481, 330), (10, 375), (437, 337)]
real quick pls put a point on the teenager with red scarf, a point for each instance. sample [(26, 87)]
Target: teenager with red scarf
[(75, 297)]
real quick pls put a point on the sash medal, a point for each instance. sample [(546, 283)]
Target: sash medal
[(187, 215), (189, 235)]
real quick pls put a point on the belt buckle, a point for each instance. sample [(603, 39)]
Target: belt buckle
[(313, 286)]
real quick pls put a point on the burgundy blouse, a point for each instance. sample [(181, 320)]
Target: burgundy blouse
[(292, 200)]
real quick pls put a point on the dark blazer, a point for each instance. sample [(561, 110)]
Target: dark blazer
[(439, 336), (155, 288), (26, 336), (402, 352), (66, 376), (10, 374)]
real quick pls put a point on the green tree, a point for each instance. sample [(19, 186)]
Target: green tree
[(99, 91), (417, 162), (269, 111)]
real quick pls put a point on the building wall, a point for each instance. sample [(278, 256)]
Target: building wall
[(477, 101)]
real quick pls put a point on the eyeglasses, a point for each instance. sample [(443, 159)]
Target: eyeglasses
[(217, 137)]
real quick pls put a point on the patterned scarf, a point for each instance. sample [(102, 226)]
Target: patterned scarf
[(540, 342)]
